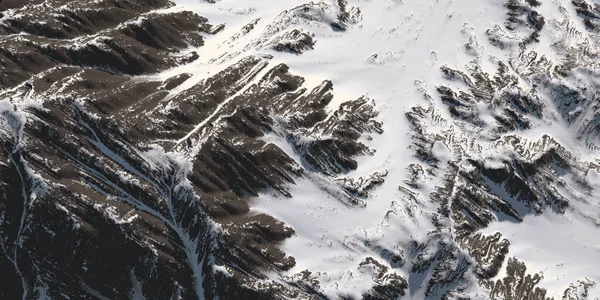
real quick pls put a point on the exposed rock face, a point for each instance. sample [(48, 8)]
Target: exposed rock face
[(523, 177), (131, 158), (145, 187)]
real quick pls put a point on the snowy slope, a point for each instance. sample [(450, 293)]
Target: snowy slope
[(393, 54), (296, 149)]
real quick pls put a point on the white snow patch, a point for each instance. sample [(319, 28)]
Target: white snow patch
[(394, 46), (565, 248)]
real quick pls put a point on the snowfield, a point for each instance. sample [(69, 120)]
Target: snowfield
[(563, 248), (393, 54), (298, 149)]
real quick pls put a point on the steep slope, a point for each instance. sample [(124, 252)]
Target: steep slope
[(299, 150)]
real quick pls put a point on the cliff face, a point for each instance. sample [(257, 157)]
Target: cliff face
[(298, 150)]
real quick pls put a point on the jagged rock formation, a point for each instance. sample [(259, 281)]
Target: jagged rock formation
[(139, 139), (134, 172)]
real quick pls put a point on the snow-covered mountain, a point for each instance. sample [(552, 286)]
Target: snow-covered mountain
[(334, 149)]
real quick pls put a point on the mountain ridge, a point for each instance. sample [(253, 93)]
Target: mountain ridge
[(298, 150)]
